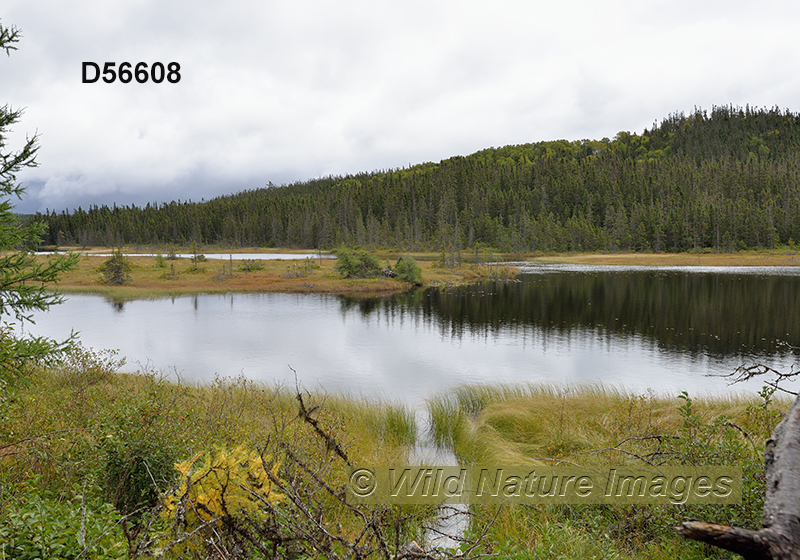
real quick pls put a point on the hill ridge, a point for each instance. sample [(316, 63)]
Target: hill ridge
[(723, 179)]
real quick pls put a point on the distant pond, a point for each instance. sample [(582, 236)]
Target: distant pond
[(662, 329), (223, 256)]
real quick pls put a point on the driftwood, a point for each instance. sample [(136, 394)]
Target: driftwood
[(780, 537)]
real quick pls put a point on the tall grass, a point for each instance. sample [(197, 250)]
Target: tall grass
[(384, 432), (528, 424), (67, 429), (525, 425), (79, 432)]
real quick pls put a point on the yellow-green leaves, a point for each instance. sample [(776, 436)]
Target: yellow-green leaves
[(224, 483)]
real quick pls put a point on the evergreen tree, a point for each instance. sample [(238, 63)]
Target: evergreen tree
[(23, 278), (719, 180)]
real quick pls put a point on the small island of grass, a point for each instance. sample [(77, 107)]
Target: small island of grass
[(157, 276)]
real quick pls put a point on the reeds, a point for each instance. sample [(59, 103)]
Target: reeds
[(585, 425), (528, 424)]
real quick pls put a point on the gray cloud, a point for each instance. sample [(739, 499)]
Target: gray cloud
[(282, 91)]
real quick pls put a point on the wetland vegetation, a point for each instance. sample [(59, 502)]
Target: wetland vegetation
[(154, 276), (90, 459)]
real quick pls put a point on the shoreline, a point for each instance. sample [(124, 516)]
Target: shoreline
[(317, 276), (744, 258), (167, 278)]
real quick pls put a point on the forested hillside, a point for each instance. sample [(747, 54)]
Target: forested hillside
[(725, 179)]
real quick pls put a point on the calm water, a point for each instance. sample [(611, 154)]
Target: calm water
[(667, 330)]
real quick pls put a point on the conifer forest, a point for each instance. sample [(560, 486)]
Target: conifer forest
[(724, 180)]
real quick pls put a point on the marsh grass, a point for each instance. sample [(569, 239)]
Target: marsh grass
[(531, 424), (528, 425), (81, 428), (534, 533), (391, 423), (150, 278), (785, 256), (81, 433)]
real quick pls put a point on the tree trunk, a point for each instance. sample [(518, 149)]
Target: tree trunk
[(780, 537)]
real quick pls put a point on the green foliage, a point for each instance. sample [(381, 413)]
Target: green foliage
[(23, 278), (538, 425), (84, 367), (16, 352), (37, 524), (161, 262), (408, 270), (116, 270), (137, 474), (717, 180), (722, 442), (357, 264), (764, 416), (251, 265), (141, 448)]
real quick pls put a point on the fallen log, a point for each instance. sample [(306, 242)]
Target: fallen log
[(779, 539)]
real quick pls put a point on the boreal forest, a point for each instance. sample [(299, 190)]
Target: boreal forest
[(725, 179)]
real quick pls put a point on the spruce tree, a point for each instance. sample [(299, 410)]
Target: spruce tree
[(24, 278)]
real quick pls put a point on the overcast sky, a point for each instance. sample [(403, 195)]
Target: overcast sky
[(279, 91)]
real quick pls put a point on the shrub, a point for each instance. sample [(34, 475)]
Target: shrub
[(16, 353), (218, 491), (300, 269), (137, 473), (251, 265), (84, 367), (408, 270), (357, 264), (141, 448), (37, 525), (172, 274)]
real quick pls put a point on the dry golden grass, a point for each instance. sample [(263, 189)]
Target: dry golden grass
[(214, 276), (528, 424), (288, 276), (744, 258)]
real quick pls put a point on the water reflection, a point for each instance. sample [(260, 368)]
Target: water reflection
[(718, 315), (639, 329)]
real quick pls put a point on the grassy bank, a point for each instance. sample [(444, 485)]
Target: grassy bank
[(86, 451), (87, 457), (778, 257), (152, 277), (591, 425)]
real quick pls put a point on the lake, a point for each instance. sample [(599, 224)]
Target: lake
[(639, 328)]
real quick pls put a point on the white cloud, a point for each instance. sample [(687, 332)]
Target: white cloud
[(282, 91)]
